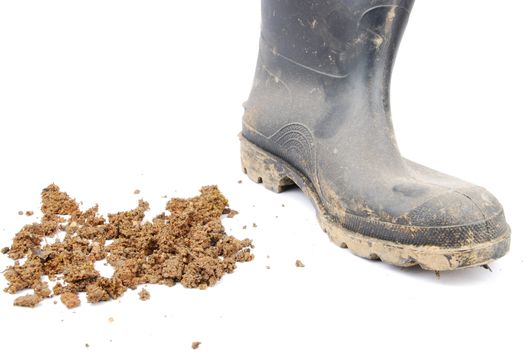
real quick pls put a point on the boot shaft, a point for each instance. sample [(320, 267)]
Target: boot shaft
[(338, 38), (327, 64)]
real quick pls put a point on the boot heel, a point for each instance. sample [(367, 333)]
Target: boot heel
[(262, 167)]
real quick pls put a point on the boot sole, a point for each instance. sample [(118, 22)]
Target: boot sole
[(277, 175)]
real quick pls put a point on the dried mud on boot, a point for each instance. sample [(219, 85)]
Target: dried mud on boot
[(187, 245)]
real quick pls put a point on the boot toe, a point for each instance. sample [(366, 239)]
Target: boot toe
[(459, 217)]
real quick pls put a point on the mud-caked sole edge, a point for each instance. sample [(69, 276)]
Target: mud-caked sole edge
[(276, 174)]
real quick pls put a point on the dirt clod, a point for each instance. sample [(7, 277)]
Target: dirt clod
[(299, 263), (29, 300), (4, 250), (188, 246), (29, 213), (69, 299), (196, 344), (136, 192)]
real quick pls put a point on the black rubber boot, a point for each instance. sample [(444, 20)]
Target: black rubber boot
[(318, 116)]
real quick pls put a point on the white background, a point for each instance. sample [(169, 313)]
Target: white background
[(103, 97)]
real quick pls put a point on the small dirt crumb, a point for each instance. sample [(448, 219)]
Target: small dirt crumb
[(254, 225), (196, 344), (144, 294), (229, 212), (42, 289), (438, 275), (244, 227), (86, 345), (268, 267), (111, 320), (299, 263), (232, 213), (283, 205), (136, 192), (29, 300), (164, 196), (5, 250), (69, 299), (29, 213), (239, 181), (20, 212)]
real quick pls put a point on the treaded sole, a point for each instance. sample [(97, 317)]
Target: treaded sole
[(276, 174)]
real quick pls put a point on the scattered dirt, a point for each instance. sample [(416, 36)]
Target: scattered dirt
[(29, 213), (136, 192), (299, 263), (188, 246), (438, 275), (244, 227), (254, 225), (239, 181), (110, 319), (144, 294), (4, 250), (29, 300), (196, 344)]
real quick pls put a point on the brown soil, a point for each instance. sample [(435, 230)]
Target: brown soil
[(299, 263), (188, 245), (196, 344)]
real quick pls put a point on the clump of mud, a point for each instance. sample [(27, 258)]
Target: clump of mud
[(187, 245)]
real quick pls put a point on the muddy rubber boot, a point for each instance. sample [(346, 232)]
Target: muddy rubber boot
[(318, 116)]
